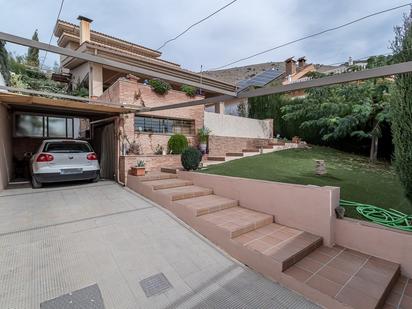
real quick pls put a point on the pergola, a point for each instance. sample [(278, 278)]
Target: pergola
[(223, 95)]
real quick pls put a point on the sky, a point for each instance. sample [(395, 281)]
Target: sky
[(242, 29)]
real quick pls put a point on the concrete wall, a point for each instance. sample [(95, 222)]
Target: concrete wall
[(228, 125), (376, 240), (308, 208), (6, 162)]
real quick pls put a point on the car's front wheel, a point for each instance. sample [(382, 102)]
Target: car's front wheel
[(35, 183)]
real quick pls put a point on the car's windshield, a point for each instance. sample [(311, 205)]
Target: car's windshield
[(67, 147)]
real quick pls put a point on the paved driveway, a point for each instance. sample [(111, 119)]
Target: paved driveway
[(61, 240)]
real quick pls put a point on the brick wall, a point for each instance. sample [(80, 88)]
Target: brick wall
[(220, 145), (130, 91), (153, 163)]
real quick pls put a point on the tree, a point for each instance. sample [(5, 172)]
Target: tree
[(336, 112), (402, 107), (33, 53), (4, 62)]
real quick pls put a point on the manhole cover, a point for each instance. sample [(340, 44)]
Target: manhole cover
[(87, 298), (154, 285)]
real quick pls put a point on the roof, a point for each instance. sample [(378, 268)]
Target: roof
[(237, 74), (29, 100), (262, 79), (64, 27)]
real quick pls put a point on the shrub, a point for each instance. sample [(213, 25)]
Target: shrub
[(159, 86), (191, 158), (177, 143), (158, 150), (189, 90), (203, 134)]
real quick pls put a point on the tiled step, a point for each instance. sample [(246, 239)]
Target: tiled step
[(234, 154), (168, 183), (171, 169), (156, 176), (277, 144), (400, 295), (283, 244), (250, 150), (180, 193), (207, 204), (237, 220), (216, 158), (357, 280), (265, 147)]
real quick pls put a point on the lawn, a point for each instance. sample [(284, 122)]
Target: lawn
[(359, 180)]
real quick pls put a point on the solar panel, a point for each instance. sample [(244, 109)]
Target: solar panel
[(261, 79)]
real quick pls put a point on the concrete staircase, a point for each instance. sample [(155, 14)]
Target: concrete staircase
[(270, 147), (334, 277)]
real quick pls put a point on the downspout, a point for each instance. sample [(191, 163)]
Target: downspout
[(118, 153)]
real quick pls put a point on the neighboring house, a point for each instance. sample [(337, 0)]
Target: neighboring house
[(259, 76)]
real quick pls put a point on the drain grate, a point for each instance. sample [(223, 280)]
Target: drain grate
[(154, 285), (87, 298)]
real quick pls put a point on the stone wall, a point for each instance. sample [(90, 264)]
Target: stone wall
[(220, 145)]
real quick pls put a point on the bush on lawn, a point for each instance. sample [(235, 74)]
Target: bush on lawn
[(191, 158), (177, 143)]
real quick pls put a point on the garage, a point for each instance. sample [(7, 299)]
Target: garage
[(26, 121)]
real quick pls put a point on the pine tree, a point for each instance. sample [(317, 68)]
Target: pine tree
[(402, 107), (4, 62), (33, 53)]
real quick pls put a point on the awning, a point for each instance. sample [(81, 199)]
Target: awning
[(34, 101)]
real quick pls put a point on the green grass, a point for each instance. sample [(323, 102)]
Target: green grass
[(359, 180)]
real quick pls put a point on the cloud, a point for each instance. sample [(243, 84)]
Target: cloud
[(240, 30)]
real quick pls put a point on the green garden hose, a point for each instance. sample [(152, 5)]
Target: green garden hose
[(387, 217)]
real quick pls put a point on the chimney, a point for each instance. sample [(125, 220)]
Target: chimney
[(84, 29), (350, 61), (290, 65), (301, 62)]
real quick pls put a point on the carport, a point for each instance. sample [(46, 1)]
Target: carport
[(26, 120)]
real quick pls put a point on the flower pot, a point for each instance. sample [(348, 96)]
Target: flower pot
[(203, 147), (138, 171)]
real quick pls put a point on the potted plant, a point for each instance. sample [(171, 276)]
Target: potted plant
[(203, 138), (139, 169)]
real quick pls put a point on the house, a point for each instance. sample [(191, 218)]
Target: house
[(258, 76), (117, 123)]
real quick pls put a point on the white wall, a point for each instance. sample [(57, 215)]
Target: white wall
[(227, 125)]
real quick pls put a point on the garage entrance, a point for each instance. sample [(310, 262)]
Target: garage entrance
[(27, 123)]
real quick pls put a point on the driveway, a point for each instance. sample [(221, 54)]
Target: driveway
[(100, 244)]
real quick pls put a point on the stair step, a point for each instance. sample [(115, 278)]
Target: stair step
[(283, 244), (250, 150), (207, 204), (168, 183), (277, 144), (355, 279), (234, 154), (265, 147), (237, 220), (156, 176), (171, 169), (216, 158), (401, 294), (181, 193)]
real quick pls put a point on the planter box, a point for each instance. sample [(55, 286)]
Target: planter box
[(138, 171)]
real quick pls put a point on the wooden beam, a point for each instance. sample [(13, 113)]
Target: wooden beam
[(107, 62)]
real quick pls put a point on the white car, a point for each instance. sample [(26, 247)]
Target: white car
[(64, 160)]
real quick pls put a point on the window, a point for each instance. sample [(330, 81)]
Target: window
[(30, 125), (164, 125), (67, 147)]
